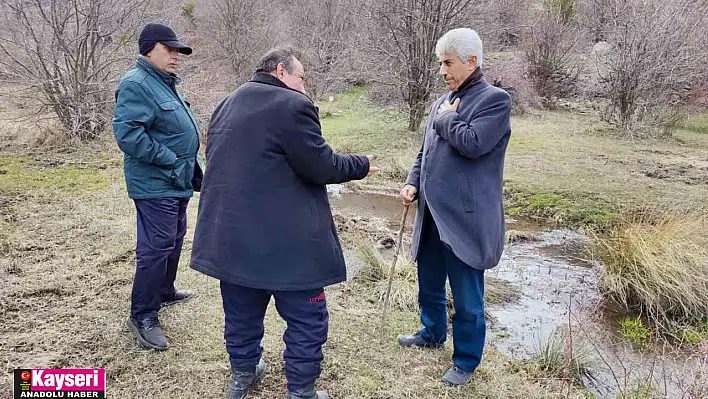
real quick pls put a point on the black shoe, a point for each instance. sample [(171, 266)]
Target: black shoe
[(243, 379), (416, 341), (178, 296), (306, 393), (148, 332), (456, 376)]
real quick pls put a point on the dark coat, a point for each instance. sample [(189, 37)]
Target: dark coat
[(459, 175), (157, 132), (264, 218)]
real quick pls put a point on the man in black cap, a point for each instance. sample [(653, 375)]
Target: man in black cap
[(156, 130)]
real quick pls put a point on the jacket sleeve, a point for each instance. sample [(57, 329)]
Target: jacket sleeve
[(479, 136), (132, 117), (311, 157)]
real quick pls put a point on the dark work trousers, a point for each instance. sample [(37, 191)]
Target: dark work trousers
[(162, 224), (436, 263), (307, 324)]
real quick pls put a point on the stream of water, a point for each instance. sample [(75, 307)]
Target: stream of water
[(558, 288)]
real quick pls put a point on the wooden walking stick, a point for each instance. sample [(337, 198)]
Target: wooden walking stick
[(392, 269)]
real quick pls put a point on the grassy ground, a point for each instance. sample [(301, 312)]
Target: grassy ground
[(66, 260), (561, 166), (66, 265)]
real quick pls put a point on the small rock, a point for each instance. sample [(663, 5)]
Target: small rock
[(515, 236), (386, 242)]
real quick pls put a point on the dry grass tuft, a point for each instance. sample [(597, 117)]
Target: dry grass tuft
[(557, 358), (657, 263), (398, 167), (374, 275)]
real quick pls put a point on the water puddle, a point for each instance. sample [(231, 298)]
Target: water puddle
[(377, 205), (558, 288)]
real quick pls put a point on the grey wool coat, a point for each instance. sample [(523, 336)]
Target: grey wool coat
[(264, 218), (459, 175)]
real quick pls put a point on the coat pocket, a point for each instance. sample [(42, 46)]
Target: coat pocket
[(178, 174), (173, 116), (466, 187)]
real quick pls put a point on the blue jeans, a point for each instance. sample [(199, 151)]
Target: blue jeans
[(162, 224), (437, 263), (307, 324)]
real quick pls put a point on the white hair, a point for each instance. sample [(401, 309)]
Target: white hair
[(463, 41)]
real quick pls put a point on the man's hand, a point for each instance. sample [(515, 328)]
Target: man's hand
[(446, 106), (408, 194), (372, 169)]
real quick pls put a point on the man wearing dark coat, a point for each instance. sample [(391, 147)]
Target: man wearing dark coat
[(457, 180), (265, 227)]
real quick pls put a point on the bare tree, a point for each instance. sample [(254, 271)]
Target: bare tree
[(594, 17), (325, 32), (550, 51), (246, 29), (70, 51), (505, 19), (656, 50), (403, 35)]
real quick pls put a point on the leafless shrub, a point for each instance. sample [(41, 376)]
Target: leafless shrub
[(503, 22), (656, 50), (325, 32), (68, 55), (594, 16), (509, 72), (246, 29), (550, 51)]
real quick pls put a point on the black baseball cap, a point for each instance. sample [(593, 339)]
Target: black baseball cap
[(158, 33)]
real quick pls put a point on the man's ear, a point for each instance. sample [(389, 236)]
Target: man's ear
[(279, 70), (472, 63)]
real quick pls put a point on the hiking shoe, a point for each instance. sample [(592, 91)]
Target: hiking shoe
[(456, 376), (148, 332), (178, 296), (306, 393), (243, 379), (417, 341)]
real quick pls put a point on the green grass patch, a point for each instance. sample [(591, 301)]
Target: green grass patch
[(21, 173), (356, 129), (636, 331), (352, 124), (697, 123), (692, 335), (560, 208)]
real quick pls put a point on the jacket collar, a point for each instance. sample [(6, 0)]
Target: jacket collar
[(268, 79), (471, 81), (168, 78)]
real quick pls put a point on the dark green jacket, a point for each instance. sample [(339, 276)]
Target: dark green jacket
[(156, 130)]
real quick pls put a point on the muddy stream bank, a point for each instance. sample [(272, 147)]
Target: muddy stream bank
[(556, 286)]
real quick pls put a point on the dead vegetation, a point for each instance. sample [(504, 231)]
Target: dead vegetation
[(656, 264)]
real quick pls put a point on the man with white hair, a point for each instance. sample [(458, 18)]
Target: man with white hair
[(458, 182)]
